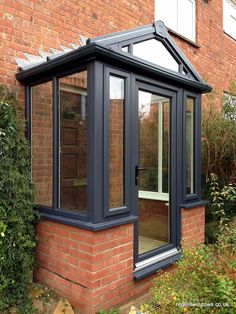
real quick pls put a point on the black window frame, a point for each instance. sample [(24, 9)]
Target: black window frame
[(196, 195), (109, 212)]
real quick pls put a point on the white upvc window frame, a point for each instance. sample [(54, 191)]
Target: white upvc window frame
[(229, 18), (173, 14), (160, 195)]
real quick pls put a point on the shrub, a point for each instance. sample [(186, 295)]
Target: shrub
[(221, 208), (17, 217), (219, 162), (218, 141), (203, 281)]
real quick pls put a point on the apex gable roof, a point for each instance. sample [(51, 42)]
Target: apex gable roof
[(148, 48), (157, 31)]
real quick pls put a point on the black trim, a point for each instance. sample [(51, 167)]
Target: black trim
[(55, 143), (84, 55), (55, 216), (123, 208), (147, 271), (194, 204), (196, 195), (28, 114), (96, 133)]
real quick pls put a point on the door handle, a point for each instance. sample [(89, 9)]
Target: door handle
[(137, 169)]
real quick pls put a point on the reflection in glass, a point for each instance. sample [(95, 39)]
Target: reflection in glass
[(125, 49), (73, 142), (189, 114), (116, 142), (154, 51), (42, 143), (154, 121)]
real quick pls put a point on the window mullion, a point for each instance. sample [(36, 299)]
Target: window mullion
[(160, 151), (56, 135)]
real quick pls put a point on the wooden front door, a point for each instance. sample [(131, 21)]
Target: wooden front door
[(73, 151)]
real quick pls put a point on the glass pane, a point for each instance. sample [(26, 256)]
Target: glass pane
[(73, 142), (154, 133), (189, 114), (116, 142), (154, 51), (125, 49), (42, 143)]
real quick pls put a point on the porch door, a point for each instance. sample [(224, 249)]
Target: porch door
[(153, 171)]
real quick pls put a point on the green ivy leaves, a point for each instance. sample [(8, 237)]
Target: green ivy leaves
[(17, 217)]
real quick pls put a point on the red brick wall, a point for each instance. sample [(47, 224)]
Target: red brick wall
[(94, 270), (30, 25), (193, 226)]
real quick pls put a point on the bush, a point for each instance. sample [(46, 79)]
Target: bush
[(221, 208), (218, 140), (219, 162), (203, 281), (17, 217)]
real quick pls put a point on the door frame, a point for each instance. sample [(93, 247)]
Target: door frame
[(175, 193)]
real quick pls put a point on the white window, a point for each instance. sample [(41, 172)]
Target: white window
[(178, 15), (229, 17)]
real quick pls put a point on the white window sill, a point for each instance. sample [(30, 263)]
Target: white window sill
[(193, 43), (154, 196)]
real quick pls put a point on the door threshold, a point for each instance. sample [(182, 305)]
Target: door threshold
[(155, 259), (155, 263)]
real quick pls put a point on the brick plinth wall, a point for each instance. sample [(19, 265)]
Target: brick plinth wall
[(94, 269), (193, 226)]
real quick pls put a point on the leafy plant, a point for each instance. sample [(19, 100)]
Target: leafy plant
[(221, 208), (203, 281), (17, 217), (219, 136)]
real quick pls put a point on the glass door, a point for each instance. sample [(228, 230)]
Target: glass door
[(153, 171), (155, 157)]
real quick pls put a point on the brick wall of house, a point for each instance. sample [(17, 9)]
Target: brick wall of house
[(39, 24)]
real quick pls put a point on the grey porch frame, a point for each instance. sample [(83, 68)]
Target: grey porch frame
[(101, 57)]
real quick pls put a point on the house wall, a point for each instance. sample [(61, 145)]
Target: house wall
[(27, 26)]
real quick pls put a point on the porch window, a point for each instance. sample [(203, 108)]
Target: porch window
[(116, 142), (189, 144), (41, 143), (155, 52), (73, 143)]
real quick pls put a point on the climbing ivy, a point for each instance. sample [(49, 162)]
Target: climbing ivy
[(17, 217)]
